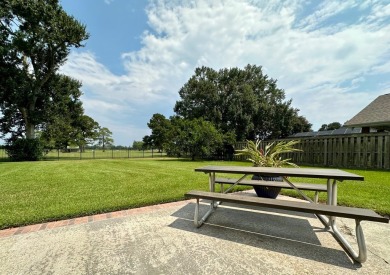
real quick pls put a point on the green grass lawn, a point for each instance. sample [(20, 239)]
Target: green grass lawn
[(33, 192)]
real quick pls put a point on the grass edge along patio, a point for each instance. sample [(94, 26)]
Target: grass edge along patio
[(35, 192)]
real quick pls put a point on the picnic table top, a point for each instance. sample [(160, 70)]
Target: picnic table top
[(336, 174)]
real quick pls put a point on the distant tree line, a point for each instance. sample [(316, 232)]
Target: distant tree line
[(218, 108)]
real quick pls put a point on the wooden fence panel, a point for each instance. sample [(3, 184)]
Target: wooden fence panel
[(345, 151)]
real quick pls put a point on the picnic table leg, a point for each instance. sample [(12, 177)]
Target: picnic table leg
[(332, 197), (316, 197), (212, 181), (235, 184), (198, 222), (334, 192), (329, 200), (296, 189), (213, 204), (326, 220), (361, 256)]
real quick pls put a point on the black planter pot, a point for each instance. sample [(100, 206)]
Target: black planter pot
[(264, 191)]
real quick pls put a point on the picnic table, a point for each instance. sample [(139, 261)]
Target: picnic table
[(327, 213)]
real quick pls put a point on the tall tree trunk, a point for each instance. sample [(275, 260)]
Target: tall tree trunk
[(30, 127), (30, 130)]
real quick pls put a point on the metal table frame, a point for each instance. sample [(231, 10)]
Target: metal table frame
[(331, 175)]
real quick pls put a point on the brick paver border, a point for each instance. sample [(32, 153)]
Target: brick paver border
[(88, 219)]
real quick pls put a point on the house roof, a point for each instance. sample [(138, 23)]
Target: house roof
[(376, 114), (340, 131)]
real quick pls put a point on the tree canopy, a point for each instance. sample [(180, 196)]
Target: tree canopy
[(330, 126), (161, 131), (180, 136), (218, 108), (35, 40), (194, 138), (64, 112), (137, 145), (62, 132), (243, 101), (104, 137)]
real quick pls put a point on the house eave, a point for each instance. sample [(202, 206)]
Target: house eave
[(374, 124)]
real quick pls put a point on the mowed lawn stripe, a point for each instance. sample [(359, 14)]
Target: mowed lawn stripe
[(35, 192)]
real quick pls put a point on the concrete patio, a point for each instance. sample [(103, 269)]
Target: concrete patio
[(163, 240)]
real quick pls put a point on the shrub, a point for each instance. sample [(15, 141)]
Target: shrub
[(25, 150)]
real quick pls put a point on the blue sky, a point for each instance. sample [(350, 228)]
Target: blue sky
[(332, 58)]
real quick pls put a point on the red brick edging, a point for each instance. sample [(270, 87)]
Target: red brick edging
[(87, 219)]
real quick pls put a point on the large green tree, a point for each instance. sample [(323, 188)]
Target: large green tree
[(85, 131), (35, 40), (63, 112), (330, 126), (161, 128), (104, 137), (194, 138), (301, 125), (79, 130), (243, 101)]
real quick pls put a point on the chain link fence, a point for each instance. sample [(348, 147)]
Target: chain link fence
[(76, 154)]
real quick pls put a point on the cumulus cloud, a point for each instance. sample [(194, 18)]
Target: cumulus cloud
[(320, 55)]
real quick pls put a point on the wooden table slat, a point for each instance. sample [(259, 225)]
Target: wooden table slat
[(289, 172)]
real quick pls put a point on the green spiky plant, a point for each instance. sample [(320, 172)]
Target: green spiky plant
[(270, 156)]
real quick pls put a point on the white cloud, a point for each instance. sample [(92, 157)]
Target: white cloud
[(114, 101), (381, 68), (311, 57), (108, 2), (380, 11), (326, 10)]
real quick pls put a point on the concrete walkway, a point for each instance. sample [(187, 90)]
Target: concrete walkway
[(163, 240)]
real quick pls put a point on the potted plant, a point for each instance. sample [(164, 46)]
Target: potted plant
[(269, 157)]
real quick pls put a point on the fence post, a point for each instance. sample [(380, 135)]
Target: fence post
[(112, 153), (58, 153), (386, 152), (152, 152)]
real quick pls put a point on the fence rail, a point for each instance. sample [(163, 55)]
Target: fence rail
[(59, 154), (367, 151)]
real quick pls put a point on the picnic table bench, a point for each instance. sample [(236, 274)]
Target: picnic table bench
[(331, 209)]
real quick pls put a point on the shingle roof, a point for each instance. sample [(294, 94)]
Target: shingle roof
[(377, 113), (340, 131)]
